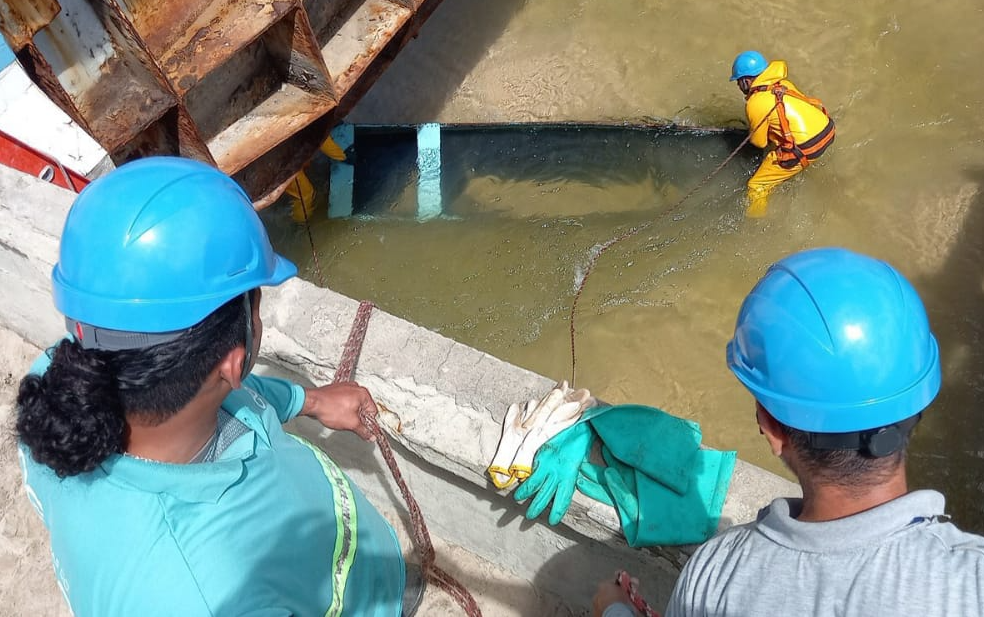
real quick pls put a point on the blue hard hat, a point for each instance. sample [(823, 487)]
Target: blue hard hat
[(748, 64), (158, 244), (831, 341)]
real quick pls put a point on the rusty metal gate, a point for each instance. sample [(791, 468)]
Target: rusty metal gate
[(250, 86)]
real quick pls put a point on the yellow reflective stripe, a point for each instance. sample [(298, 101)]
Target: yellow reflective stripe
[(346, 527)]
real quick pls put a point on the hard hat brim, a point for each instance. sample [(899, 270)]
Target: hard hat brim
[(154, 315)]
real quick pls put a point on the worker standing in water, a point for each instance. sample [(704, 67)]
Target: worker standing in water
[(300, 189), (779, 114)]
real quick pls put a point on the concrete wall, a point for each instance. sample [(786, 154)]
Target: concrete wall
[(449, 398)]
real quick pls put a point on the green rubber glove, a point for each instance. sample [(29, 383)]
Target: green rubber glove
[(650, 440), (591, 482), (555, 472), (653, 514), (615, 485), (668, 518)]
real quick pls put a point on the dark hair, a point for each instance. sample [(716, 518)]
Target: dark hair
[(851, 469), (74, 415)]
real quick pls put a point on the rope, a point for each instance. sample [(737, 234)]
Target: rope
[(597, 250), (632, 590), (421, 536), (353, 346), (307, 227)]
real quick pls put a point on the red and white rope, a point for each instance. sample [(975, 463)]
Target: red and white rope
[(421, 536)]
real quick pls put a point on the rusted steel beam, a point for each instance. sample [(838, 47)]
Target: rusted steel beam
[(20, 20), (251, 86), (363, 72)]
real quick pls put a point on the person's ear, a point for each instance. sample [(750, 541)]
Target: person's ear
[(773, 431), (231, 366)]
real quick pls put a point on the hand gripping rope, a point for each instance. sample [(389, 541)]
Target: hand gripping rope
[(630, 588), (421, 537)]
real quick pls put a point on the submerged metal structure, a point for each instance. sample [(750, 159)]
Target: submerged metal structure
[(250, 86)]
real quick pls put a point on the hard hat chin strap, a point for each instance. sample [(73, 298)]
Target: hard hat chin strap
[(93, 337), (876, 442), (248, 359)]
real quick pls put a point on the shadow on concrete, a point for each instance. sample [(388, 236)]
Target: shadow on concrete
[(947, 451), (589, 563)]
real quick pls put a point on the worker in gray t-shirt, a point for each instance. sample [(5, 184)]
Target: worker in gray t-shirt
[(836, 349)]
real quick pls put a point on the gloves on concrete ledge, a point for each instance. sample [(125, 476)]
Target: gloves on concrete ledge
[(526, 428), (665, 488)]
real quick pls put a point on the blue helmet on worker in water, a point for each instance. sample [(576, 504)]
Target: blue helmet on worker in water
[(748, 64), (158, 244), (831, 341)]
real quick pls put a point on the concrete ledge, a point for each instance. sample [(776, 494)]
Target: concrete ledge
[(32, 214), (447, 399)]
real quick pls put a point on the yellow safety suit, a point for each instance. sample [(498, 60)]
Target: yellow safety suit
[(798, 127), (301, 190)]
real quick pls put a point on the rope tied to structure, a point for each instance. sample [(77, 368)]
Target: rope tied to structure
[(421, 536)]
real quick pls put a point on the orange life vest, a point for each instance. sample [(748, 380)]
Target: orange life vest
[(788, 152)]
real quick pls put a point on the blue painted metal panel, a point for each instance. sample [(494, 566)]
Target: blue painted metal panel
[(6, 55), (341, 174), (429, 170)]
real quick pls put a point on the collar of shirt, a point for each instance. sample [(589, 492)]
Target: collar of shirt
[(198, 482), (777, 522)]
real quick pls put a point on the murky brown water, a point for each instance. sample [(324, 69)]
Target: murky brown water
[(902, 182)]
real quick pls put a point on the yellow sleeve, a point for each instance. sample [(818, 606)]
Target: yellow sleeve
[(757, 108), (332, 150)]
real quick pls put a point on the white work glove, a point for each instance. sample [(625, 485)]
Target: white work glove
[(513, 433), (526, 428), (559, 409)]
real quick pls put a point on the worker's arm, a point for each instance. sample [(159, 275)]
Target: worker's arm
[(337, 406), (340, 406), (759, 106)]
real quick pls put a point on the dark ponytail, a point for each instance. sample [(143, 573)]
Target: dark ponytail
[(71, 417), (74, 415)]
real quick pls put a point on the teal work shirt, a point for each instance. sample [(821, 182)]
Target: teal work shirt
[(254, 533)]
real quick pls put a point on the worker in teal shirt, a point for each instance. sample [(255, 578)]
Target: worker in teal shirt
[(157, 462)]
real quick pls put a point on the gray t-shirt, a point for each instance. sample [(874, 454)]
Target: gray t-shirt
[(901, 558)]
